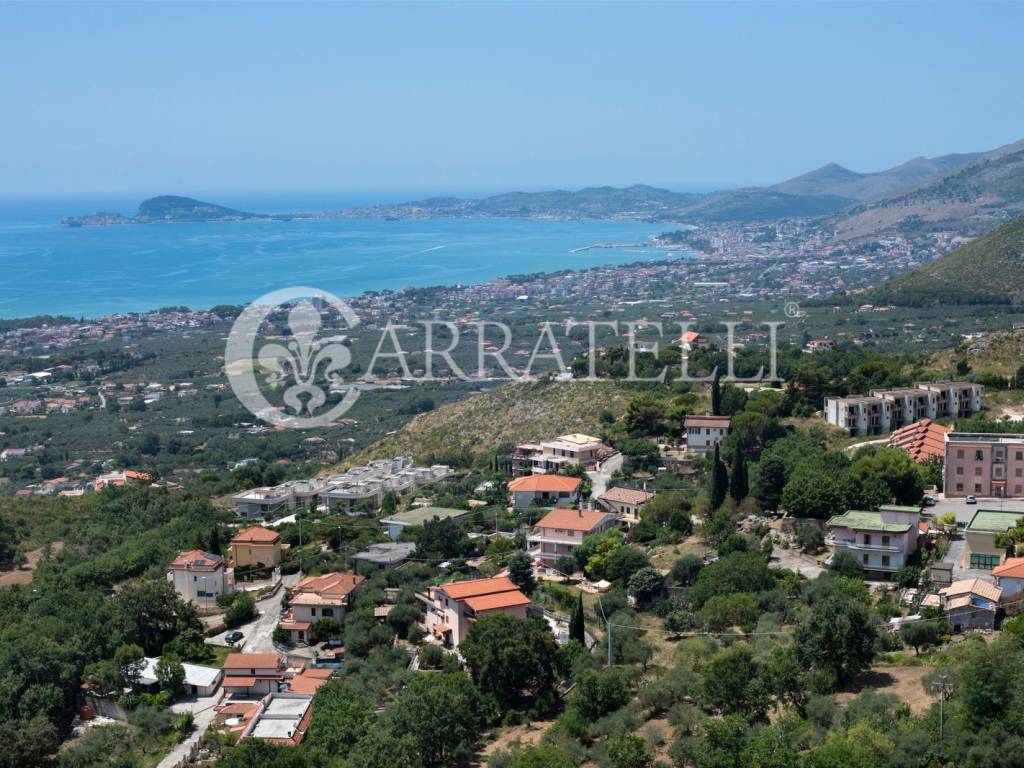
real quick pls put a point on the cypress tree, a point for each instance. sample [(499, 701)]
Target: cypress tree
[(576, 625), (214, 546), (716, 394), (739, 486), (719, 481)]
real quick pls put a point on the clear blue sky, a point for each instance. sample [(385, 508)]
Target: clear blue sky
[(195, 98)]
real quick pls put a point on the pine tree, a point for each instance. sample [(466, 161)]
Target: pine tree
[(719, 481), (716, 394), (520, 571), (739, 486), (577, 629)]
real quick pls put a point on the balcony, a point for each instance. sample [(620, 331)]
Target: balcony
[(853, 544)]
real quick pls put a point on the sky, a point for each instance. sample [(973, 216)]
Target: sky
[(186, 98)]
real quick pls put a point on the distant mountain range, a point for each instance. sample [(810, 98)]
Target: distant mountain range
[(165, 209), (970, 193), (989, 270)]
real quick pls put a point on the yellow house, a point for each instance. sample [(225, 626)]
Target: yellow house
[(256, 546)]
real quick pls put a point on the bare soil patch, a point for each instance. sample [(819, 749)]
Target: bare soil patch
[(905, 682), (23, 575)]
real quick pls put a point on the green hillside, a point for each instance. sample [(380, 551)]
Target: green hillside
[(989, 270), (514, 413)]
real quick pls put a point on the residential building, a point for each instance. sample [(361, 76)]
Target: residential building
[(256, 546), (555, 535), (386, 556), (282, 719), (624, 501), (980, 549), (120, 479), (309, 680), (970, 604), (417, 516), (319, 597), (544, 491), (199, 680), (362, 489), (691, 340), (885, 410), (262, 503), (880, 541), (820, 345), (452, 608), (551, 456), (703, 433), (859, 415), (956, 399), (1009, 577), (253, 674), (199, 577), (978, 464), (923, 440)]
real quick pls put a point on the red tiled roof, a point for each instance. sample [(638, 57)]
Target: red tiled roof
[(460, 590), (626, 495), (256, 535), (1012, 567), (336, 584), (497, 601), (251, 661), (572, 519), (921, 440), (196, 558), (544, 483), (706, 421)]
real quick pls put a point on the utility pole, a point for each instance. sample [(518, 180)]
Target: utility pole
[(608, 629), (942, 687)]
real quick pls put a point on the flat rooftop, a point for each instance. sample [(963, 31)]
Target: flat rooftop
[(862, 520), (421, 515), (993, 520), (984, 437)]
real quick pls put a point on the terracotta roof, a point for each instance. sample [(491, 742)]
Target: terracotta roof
[(545, 483), (256, 535), (573, 519), (298, 626), (251, 661), (706, 421), (626, 495), (497, 601), (1012, 567), (331, 585), (460, 590), (690, 336), (979, 587), (921, 440), (196, 558), (233, 681), (308, 682)]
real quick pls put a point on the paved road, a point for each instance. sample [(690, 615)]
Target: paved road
[(599, 479), (258, 632), (202, 716), (964, 511)]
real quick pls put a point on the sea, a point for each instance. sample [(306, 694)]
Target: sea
[(46, 268)]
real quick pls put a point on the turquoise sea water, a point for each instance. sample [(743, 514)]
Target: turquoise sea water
[(91, 271)]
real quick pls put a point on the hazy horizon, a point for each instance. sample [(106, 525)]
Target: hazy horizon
[(202, 99)]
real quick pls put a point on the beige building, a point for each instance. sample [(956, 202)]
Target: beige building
[(551, 456), (253, 674), (624, 501), (319, 597), (256, 546), (980, 549), (558, 532), (703, 433), (452, 608), (199, 577)]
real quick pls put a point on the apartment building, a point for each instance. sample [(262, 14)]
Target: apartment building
[(555, 535), (885, 410), (253, 674), (552, 456), (544, 491), (319, 597), (990, 465), (880, 541)]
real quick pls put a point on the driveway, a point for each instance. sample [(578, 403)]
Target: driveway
[(202, 715), (258, 632), (599, 478)]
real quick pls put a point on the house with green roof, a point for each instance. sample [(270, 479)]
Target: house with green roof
[(881, 541), (415, 516), (980, 550)]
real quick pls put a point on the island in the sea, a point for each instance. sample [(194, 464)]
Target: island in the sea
[(165, 209)]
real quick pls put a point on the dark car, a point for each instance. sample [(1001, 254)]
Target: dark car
[(233, 637), (929, 501)]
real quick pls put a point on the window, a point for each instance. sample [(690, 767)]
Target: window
[(327, 612), (312, 611), (885, 561), (1017, 472), (977, 487), (885, 541), (960, 486), (977, 471), (867, 539), (985, 562), (865, 559), (959, 453), (978, 455), (959, 470), (1019, 455), (1016, 490)]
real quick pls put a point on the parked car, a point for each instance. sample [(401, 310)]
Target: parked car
[(929, 501), (971, 500), (232, 637)]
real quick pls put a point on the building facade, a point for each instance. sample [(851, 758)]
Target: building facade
[(977, 464), (551, 456), (558, 532), (880, 541), (319, 597), (703, 433), (885, 410), (199, 577), (544, 491), (452, 608), (980, 548), (256, 546)]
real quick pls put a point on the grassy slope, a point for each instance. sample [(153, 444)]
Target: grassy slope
[(991, 267), (510, 414)]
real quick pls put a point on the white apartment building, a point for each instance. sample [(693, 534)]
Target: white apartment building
[(885, 410)]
